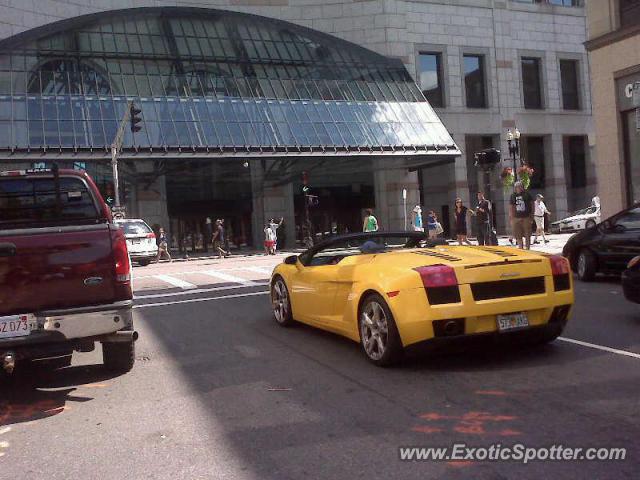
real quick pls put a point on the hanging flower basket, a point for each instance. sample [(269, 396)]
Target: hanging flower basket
[(525, 173), (507, 177)]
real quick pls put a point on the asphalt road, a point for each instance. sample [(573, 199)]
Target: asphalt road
[(220, 391)]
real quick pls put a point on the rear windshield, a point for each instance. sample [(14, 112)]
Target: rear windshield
[(134, 228), (32, 201)]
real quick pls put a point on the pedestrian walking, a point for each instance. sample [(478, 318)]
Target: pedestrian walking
[(208, 233), (268, 238), (520, 213), (460, 213), (228, 233), (163, 246), (539, 211), (370, 223), (219, 239), (432, 224), (482, 220), (274, 228), (416, 219)]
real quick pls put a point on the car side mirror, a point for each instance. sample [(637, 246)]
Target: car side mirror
[(291, 260)]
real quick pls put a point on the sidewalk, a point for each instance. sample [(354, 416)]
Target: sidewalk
[(555, 246)]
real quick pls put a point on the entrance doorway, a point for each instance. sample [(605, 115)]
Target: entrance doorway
[(201, 189)]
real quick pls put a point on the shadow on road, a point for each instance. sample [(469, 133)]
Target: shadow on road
[(33, 395)]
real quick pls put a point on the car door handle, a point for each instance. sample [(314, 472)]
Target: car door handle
[(7, 249)]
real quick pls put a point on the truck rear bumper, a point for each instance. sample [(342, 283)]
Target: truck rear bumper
[(70, 326)]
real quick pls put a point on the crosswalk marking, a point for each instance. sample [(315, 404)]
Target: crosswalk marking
[(262, 270), (197, 291), (228, 278), (176, 282)]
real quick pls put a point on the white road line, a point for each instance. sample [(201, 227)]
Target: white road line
[(266, 268), (262, 270), (228, 278), (600, 347), (176, 282), (198, 290), (194, 300)]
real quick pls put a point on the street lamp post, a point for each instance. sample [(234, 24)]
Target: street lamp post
[(513, 140)]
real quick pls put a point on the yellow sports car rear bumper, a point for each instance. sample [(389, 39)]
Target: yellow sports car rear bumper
[(415, 317)]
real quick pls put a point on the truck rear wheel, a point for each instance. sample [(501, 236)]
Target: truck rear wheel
[(119, 356)]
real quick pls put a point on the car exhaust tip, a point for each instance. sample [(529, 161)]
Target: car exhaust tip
[(9, 362), (451, 328), (121, 336)]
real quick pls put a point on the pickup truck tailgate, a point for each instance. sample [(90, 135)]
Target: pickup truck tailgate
[(56, 268), (56, 246)]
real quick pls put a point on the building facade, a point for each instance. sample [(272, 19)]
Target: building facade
[(614, 50), (246, 101)]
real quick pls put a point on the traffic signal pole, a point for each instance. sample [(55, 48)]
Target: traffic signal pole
[(130, 114)]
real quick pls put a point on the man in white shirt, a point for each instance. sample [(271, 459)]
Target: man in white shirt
[(539, 211)]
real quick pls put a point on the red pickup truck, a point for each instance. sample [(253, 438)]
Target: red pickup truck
[(65, 272)]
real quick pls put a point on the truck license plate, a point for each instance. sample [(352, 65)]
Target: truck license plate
[(17, 325), (512, 321)]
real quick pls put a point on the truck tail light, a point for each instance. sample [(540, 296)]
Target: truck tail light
[(121, 257), (440, 283), (561, 272)]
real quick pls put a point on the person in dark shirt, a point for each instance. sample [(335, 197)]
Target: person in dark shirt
[(460, 213), (219, 239), (521, 215), (482, 220)]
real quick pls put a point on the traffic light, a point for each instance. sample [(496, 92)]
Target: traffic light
[(135, 118), (108, 194)]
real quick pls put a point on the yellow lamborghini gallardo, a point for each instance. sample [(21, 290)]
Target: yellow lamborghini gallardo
[(390, 291)]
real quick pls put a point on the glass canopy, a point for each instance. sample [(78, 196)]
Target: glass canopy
[(206, 78)]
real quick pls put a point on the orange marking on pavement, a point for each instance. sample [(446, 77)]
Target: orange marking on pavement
[(495, 393), (475, 428), (507, 432), (94, 385), (426, 429), (436, 416), (486, 416), (460, 463)]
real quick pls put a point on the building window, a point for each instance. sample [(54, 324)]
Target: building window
[(534, 157), (531, 83), (629, 12), (577, 161), (569, 81), (632, 156), (474, 81), (564, 3), (431, 76)]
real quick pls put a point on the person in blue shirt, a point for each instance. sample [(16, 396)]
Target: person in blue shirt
[(432, 224), (416, 219)]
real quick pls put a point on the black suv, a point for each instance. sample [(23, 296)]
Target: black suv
[(607, 247)]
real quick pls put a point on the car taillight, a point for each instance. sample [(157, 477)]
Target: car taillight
[(121, 257), (151, 235), (437, 276), (561, 272), (440, 284), (559, 265)]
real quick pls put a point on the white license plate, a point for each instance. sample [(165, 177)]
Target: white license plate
[(17, 325), (512, 321), (135, 241)]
